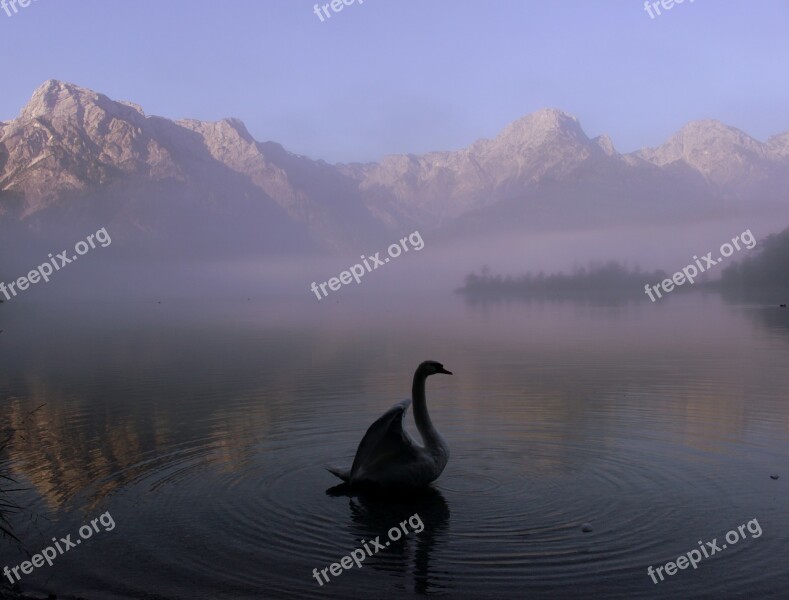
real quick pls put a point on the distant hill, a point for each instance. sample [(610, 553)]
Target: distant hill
[(767, 269)]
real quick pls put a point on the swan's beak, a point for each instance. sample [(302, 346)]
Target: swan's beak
[(445, 372)]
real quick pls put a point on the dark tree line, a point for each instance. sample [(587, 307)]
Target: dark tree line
[(768, 268), (596, 278)]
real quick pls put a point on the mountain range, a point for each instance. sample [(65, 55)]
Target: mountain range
[(75, 158)]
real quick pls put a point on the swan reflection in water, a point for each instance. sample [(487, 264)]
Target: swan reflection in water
[(388, 486), (374, 514)]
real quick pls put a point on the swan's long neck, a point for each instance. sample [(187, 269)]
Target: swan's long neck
[(430, 436)]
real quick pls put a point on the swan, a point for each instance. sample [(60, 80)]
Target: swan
[(388, 457)]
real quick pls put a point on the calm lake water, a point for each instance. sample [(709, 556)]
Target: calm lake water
[(203, 428)]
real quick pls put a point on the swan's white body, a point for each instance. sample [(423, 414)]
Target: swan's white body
[(388, 456)]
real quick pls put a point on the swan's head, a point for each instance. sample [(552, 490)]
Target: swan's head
[(431, 367)]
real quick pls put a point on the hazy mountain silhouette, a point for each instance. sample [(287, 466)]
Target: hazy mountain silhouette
[(74, 161)]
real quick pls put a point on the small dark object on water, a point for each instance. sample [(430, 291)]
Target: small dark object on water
[(773, 476), (782, 306), (587, 527)]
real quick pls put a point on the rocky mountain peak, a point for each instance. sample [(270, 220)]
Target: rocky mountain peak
[(68, 138), (699, 141), (538, 126), (777, 143), (226, 132), (605, 144), (48, 96), (724, 155), (55, 100), (711, 132)]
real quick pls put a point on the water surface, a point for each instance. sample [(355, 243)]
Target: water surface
[(203, 428)]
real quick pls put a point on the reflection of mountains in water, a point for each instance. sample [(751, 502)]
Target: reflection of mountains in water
[(61, 460)]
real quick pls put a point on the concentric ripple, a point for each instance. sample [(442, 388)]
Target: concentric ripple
[(575, 465)]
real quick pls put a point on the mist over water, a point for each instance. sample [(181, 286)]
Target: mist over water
[(118, 273)]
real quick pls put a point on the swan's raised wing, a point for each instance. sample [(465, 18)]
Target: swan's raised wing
[(385, 443)]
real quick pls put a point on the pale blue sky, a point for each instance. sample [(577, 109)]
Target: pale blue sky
[(392, 76)]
